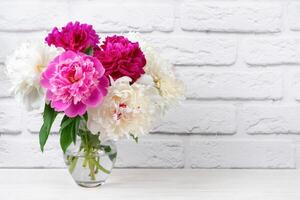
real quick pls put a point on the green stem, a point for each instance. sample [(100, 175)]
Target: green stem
[(89, 148), (100, 167), (86, 148), (85, 161), (92, 172), (73, 164), (98, 161)]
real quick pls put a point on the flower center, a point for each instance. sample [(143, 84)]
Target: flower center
[(39, 68), (75, 74), (157, 82), (122, 105), (71, 77), (119, 111)]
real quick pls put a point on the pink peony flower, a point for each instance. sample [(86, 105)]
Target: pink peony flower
[(120, 57), (74, 81), (75, 37)]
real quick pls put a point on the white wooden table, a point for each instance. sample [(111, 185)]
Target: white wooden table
[(144, 184)]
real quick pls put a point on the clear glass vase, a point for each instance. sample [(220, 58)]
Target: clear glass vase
[(89, 160)]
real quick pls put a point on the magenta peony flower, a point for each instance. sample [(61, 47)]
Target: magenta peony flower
[(75, 37), (74, 81), (120, 57)]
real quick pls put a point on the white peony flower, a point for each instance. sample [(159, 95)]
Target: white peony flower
[(125, 111), (162, 73), (24, 67)]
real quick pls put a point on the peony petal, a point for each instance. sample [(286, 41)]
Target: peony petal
[(95, 98), (44, 82), (49, 95), (59, 105), (67, 55), (98, 65), (47, 74), (74, 110), (103, 85)]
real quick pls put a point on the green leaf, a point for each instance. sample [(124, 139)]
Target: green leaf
[(76, 128), (89, 51), (68, 131), (65, 122), (93, 140), (107, 149), (85, 116), (49, 116), (113, 156), (136, 139), (65, 137)]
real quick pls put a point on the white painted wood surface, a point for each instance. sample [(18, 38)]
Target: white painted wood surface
[(154, 184)]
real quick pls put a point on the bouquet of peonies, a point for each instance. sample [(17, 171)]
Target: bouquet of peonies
[(105, 90)]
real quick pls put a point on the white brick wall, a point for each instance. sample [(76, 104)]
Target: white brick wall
[(240, 61)]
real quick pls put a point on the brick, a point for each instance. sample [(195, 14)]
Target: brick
[(270, 119), (272, 51), (124, 17), (231, 17), (162, 153), (192, 117), (4, 83), (240, 154), (297, 153), (294, 16), (32, 15), (295, 85), (231, 85), (24, 151), (10, 116), (186, 50)]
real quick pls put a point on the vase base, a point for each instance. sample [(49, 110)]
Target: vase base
[(90, 184)]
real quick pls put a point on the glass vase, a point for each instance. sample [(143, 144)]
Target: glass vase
[(89, 160)]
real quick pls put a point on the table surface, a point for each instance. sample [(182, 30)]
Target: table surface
[(140, 184)]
